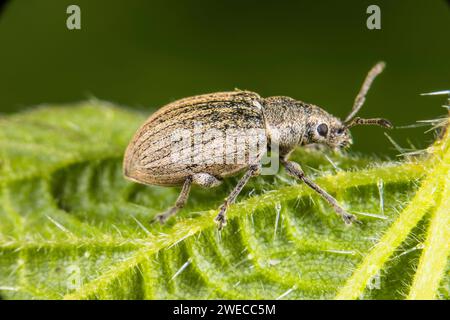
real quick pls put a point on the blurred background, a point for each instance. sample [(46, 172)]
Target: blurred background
[(143, 54)]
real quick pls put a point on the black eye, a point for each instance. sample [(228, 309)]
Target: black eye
[(322, 129)]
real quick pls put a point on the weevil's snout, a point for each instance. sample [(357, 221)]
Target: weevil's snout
[(346, 143), (340, 137)]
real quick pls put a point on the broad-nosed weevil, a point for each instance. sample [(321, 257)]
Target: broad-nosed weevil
[(199, 140)]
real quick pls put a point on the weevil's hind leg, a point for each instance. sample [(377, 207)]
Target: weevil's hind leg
[(221, 217), (295, 170), (181, 201)]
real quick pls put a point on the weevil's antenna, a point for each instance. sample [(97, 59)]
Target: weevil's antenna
[(361, 97), (374, 121), (350, 121)]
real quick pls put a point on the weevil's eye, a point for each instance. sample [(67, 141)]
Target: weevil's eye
[(322, 129)]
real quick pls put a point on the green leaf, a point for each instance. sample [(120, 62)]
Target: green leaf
[(72, 227)]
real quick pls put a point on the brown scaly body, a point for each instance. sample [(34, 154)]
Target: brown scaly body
[(280, 121), (148, 156)]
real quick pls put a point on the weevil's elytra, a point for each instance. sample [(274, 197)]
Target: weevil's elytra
[(148, 157), (195, 126)]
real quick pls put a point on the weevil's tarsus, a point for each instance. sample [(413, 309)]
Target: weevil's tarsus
[(361, 97), (221, 219), (179, 204), (294, 169)]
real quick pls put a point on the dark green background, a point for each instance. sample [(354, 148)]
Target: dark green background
[(143, 54)]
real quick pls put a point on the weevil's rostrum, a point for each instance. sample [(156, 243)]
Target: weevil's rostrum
[(203, 139)]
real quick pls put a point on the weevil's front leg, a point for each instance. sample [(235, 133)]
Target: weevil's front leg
[(295, 170), (181, 201), (221, 217)]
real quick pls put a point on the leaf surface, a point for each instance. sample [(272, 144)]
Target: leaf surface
[(71, 227)]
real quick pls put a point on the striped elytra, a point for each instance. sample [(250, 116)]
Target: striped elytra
[(149, 156)]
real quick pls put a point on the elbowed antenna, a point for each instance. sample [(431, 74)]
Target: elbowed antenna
[(361, 97), (374, 121), (350, 121)]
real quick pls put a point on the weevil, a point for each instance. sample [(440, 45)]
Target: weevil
[(148, 158)]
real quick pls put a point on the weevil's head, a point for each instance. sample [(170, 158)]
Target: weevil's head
[(301, 123), (326, 129)]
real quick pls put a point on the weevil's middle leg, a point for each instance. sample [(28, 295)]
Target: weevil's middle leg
[(221, 217), (295, 170), (179, 204)]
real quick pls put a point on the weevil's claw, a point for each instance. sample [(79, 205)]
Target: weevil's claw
[(386, 124), (349, 218), (162, 218), (221, 223), (221, 219)]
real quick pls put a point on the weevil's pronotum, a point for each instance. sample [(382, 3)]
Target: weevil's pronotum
[(148, 157)]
